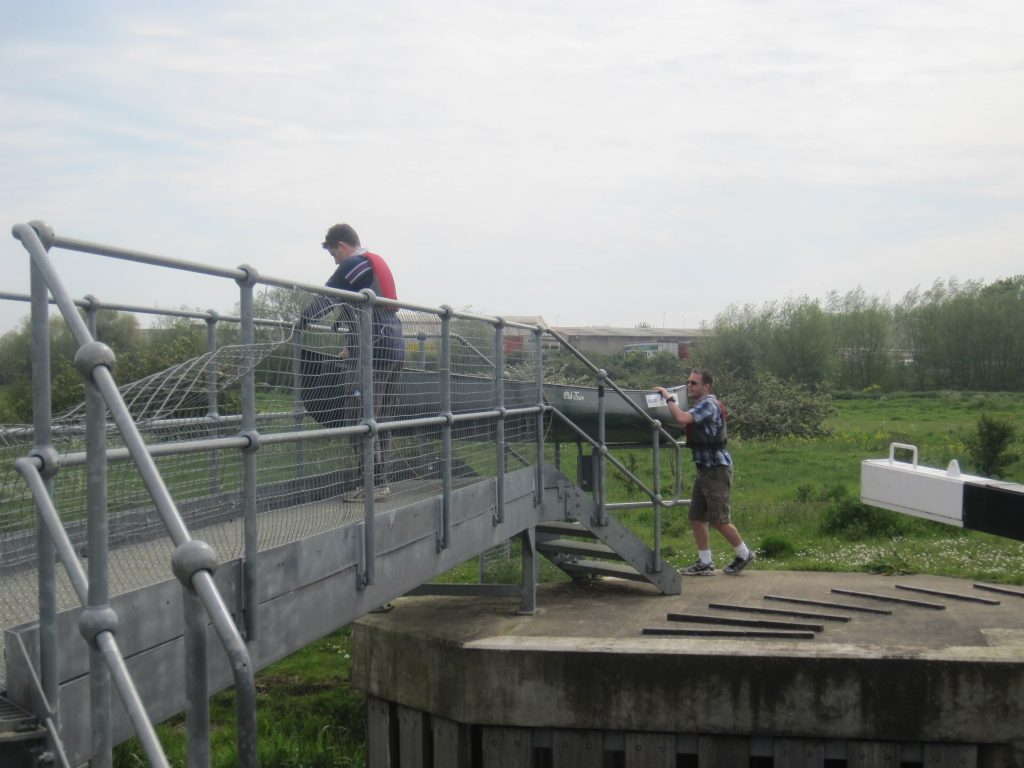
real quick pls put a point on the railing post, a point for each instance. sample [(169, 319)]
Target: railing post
[(370, 438), (97, 543), (298, 408), (538, 364), (250, 564), (528, 597), (445, 379), (211, 398), (41, 416), (499, 427), (197, 694), (657, 500), (599, 464)]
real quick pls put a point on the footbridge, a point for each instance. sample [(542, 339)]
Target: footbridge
[(165, 536)]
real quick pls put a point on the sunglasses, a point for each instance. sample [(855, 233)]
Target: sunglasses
[(694, 383)]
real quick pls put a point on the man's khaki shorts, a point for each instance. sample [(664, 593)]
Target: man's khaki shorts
[(710, 499)]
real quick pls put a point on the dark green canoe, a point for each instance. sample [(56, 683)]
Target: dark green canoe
[(325, 379)]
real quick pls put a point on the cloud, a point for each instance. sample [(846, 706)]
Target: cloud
[(595, 158)]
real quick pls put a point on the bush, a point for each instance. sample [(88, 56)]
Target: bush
[(775, 547), (767, 407), (849, 518), (990, 446)]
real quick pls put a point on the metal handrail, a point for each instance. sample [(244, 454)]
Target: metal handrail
[(201, 580), (30, 468), (657, 431)]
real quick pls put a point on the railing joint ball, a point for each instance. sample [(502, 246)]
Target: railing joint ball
[(251, 275), (92, 354), (44, 232), (95, 619), (253, 436), (48, 458), (191, 557)]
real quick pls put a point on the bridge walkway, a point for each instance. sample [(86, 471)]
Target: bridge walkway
[(165, 538)]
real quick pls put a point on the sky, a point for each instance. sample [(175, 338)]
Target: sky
[(593, 162)]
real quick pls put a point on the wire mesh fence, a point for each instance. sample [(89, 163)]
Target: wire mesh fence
[(307, 382)]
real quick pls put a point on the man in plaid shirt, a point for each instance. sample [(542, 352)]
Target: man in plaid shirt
[(710, 502)]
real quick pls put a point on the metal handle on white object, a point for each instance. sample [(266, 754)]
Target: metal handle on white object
[(904, 446)]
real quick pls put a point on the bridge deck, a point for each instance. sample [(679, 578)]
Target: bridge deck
[(138, 565)]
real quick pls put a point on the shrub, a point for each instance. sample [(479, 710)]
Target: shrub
[(990, 445), (766, 407), (775, 547), (849, 518)]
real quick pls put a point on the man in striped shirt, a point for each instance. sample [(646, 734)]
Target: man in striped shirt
[(358, 268)]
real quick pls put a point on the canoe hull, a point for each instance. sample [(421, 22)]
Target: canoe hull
[(328, 381)]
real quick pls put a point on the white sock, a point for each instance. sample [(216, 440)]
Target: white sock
[(742, 550), (705, 555)]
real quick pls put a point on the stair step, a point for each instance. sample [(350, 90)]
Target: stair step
[(598, 568), (567, 528), (15, 720), (576, 547)]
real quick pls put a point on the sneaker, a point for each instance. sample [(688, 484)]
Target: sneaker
[(357, 495), (698, 569), (739, 564)]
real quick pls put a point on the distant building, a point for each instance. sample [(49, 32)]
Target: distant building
[(600, 339), (649, 341)]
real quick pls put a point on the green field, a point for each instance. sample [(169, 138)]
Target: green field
[(796, 502)]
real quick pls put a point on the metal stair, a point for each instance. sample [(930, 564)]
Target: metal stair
[(23, 739), (582, 547)]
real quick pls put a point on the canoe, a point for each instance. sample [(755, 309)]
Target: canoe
[(325, 380)]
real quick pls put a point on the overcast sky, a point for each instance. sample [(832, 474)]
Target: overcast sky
[(598, 163)]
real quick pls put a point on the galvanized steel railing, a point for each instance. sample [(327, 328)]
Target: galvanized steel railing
[(193, 560)]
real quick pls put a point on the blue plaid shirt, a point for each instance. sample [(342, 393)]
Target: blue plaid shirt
[(707, 419)]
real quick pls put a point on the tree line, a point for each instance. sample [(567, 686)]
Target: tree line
[(955, 335)]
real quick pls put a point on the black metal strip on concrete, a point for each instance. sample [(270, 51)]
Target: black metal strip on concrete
[(826, 604), (951, 595), (1000, 590), (779, 612), (890, 599), (747, 633), (697, 618)]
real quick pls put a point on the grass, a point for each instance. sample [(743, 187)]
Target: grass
[(307, 715), (795, 500)]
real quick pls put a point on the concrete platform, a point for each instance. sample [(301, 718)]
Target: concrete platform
[(937, 677)]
